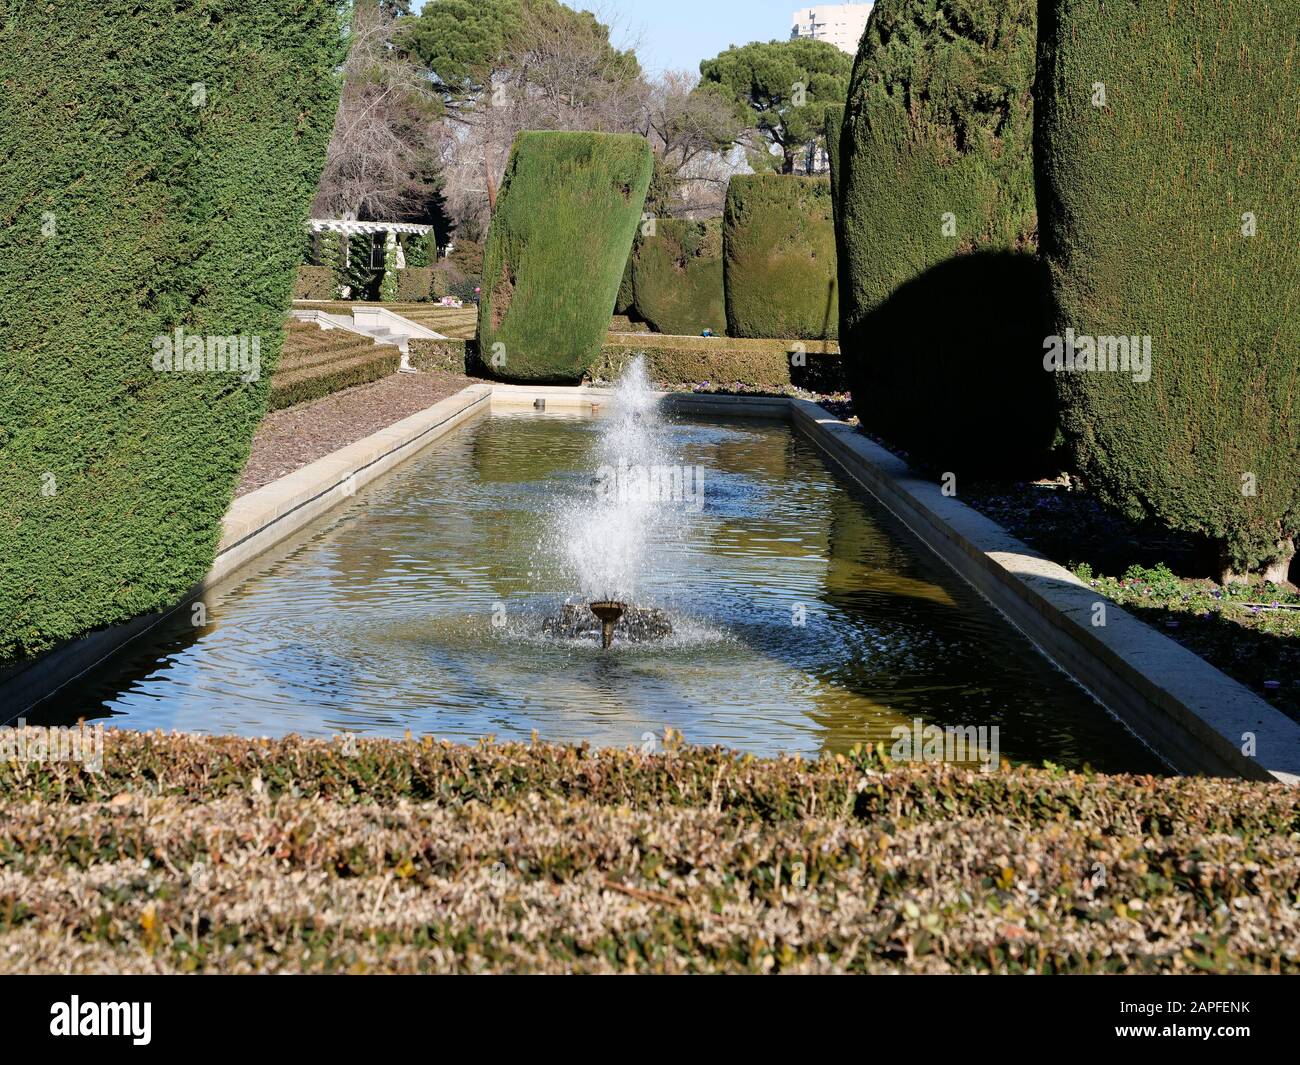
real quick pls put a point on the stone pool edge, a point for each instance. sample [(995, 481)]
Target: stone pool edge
[(1191, 713)]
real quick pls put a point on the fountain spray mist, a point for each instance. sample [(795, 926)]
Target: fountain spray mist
[(608, 538)]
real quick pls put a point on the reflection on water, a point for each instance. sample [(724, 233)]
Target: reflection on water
[(418, 606)]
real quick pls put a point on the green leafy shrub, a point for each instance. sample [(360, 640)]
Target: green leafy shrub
[(156, 165), (318, 362), (330, 249), (1170, 200), (314, 283), (362, 278), (566, 214), (447, 356), (388, 284), (935, 163), (677, 277), (779, 258), (416, 247)]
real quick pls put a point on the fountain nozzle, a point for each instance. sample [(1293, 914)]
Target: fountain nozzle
[(608, 612)]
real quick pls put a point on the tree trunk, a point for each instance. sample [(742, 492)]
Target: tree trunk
[(1274, 572), (787, 167)]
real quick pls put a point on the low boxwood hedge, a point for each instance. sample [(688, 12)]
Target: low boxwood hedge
[(415, 283), (314, 283), (748, 363)]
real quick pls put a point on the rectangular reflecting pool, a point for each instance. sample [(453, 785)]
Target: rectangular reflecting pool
[(803, 618)]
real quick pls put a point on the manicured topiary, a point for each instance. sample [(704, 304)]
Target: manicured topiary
[(677, 277), (330, 252), (779, 257), (414, 283), (1170, 190), (834, 124), (566, 215), (314, 283), (626, 301), (362, 278), (156, 165), (935, 162)]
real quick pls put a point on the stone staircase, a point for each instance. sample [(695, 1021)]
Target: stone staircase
[(378, 323)]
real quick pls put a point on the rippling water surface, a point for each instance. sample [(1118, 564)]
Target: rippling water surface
[(418, 606)]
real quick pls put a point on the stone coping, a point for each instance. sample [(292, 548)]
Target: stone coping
[(1192, 714)]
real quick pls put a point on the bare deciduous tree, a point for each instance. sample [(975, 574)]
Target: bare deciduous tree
[(388, 136)]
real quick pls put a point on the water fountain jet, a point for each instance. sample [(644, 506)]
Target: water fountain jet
[(608, 611)]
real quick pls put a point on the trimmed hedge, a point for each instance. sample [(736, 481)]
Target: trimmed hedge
[(450, 355), (156, 165), (766, 365), (935, 163), (317, 362), (415, 283), (566, 215), (779, 257), (686, 861), (677, 277), (626, 300), (1148, 203), (314, 283)]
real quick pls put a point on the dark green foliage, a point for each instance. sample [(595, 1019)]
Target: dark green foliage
[(784, 89), (974, 401), (156, 165), (626, 300), (834, 124), (330, 253), (362, 278), (779, 258), (677, 277), (416, 247), (567, 212), (935, 162), (1144, 205)]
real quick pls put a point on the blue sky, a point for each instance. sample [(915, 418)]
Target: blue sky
[(677, 34)]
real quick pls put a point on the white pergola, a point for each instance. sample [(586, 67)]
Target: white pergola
[(351, 227)]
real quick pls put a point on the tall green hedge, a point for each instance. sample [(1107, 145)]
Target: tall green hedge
[(566, 215), (1167, 137), (936, 162), (626, 300), (779, 257), (157, 160), (677, 277)]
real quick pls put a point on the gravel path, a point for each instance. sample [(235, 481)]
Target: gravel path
[(289, 439)]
